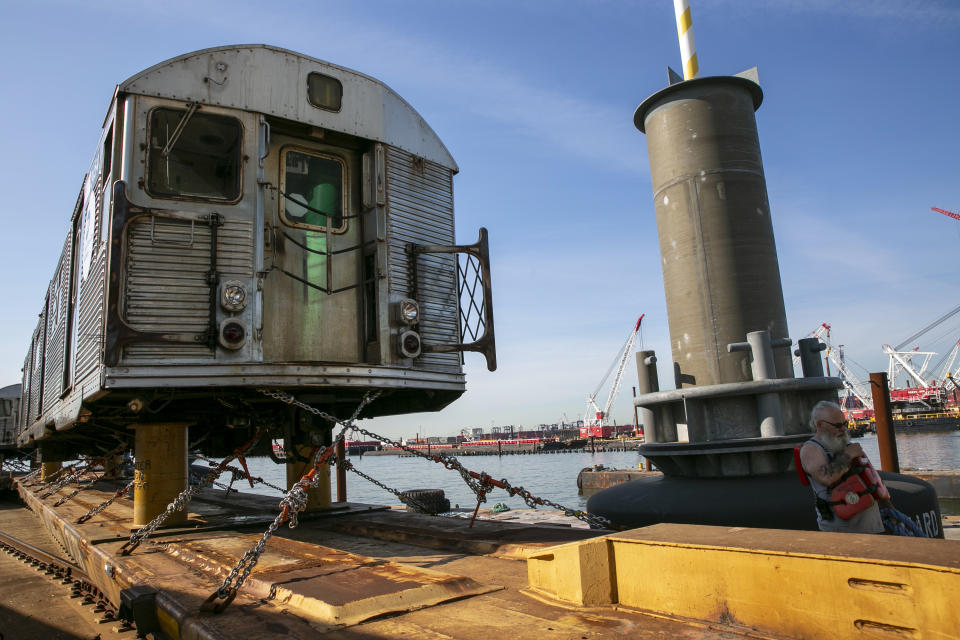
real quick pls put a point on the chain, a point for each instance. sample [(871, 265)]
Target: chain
[(77, 490), (27, 479), (399, 494), (17, 464), (65, 476), (533, 501), (481, 483), (240, 473), (182, 500), (450, 462), (77, 473), (103, 505), (292, 503)]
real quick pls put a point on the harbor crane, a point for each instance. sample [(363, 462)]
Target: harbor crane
[(947, 213), (902, 361), (859, 389), (945, 376), (595, 416)]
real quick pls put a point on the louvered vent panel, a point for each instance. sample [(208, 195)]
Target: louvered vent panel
[(420, 210), (166, 285)]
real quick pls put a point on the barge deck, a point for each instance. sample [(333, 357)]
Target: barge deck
[(365, 571), (359, 571)]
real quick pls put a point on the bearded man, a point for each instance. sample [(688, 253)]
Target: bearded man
[(826, 458)]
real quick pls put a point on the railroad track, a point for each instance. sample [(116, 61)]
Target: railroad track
[(67, 573)]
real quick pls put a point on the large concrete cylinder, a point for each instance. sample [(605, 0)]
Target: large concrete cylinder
[(719, 258)]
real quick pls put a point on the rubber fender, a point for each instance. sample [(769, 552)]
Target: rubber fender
[(429, 501)]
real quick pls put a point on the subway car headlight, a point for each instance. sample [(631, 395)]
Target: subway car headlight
[(409, 344), (408, 311), (233, 295), (232, 334)]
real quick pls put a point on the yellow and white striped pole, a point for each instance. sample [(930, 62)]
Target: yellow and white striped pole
[(685, 32)]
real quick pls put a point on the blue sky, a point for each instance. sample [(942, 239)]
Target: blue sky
[(535, 101)]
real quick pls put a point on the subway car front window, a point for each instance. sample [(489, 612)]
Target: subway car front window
[(194, 155), (313, 188)]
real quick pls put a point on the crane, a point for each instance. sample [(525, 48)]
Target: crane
[(944, 374), (902, 362), (598, 417), (860, 390), (947, 213)]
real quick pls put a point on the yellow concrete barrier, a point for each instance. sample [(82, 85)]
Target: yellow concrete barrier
[(802, 584)]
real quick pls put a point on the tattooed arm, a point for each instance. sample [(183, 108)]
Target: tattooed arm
[(815, 462)]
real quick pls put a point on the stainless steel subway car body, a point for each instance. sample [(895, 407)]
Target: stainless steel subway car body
[(255, 218)]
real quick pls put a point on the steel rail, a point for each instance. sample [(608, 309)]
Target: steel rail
[(68, 568), (67, 573)]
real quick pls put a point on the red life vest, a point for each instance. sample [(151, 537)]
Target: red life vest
[(855, 491)]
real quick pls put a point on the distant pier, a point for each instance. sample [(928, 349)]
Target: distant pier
[(577, 446)]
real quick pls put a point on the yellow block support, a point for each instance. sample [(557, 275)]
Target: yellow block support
[(797, 583), (319, 497), (160, 473), (582, 573), (49, 470)]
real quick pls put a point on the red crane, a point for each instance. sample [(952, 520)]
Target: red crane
[(947, 213)]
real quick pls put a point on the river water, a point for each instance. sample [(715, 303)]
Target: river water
[(554, 476)]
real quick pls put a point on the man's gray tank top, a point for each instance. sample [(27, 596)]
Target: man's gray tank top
[(867, 521)]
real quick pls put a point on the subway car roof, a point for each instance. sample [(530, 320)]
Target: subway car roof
[(273, 81)]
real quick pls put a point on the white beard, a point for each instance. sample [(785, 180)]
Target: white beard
[(835, 444)]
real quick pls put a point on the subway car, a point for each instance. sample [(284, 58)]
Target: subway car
[(254, 219)]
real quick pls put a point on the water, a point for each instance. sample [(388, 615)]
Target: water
[(919, 451), (550, 476), (554, 476)]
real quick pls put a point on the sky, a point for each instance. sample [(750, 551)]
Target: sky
[(535, 100)]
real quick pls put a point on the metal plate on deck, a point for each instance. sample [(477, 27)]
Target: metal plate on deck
[(325, 585)]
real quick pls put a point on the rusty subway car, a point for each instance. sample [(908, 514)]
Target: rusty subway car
[(254, 218)]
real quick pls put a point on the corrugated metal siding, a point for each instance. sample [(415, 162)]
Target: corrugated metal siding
[(56, 328), (37, 354), (420, 209), (89, 329), (165, 284), (235, 249), (23, 418)]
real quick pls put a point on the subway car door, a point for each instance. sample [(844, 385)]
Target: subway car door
[(312, 292)]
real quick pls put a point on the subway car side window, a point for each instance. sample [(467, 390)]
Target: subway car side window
[(194, 155)]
